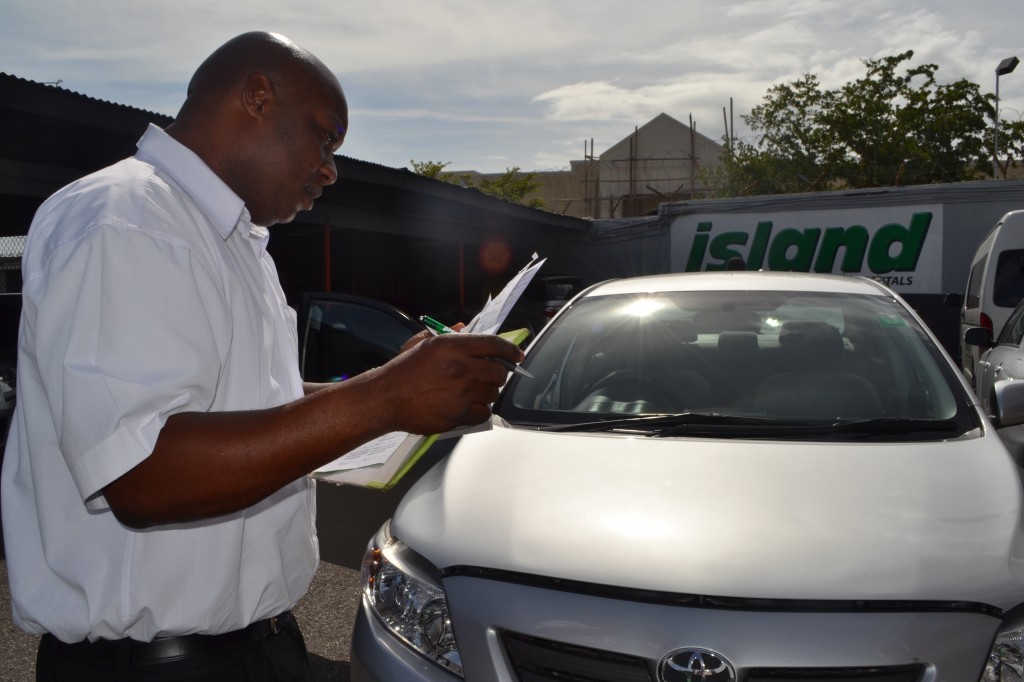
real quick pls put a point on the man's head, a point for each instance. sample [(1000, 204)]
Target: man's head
[(267, 116)]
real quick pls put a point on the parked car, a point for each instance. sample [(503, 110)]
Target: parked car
[(543, 297), (995, 284), (1000, 360), (341, 335), (726, 477)]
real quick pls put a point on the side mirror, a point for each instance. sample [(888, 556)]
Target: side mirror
[(1008, 403), (953, 300), (978, 336)]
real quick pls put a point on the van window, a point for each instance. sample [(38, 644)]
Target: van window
[(1008, 289), (974, 285)]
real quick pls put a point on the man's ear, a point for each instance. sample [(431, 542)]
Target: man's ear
[(257, 93)]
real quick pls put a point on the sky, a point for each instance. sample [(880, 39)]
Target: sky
[(487, 86)]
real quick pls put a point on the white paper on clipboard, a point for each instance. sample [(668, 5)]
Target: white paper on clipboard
[(494, 312)]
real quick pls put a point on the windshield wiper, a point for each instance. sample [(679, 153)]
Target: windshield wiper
[(889, 425), (838, 430), (702, 423), (665, 424)]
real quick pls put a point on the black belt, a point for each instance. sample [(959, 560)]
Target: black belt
[(164, 649)]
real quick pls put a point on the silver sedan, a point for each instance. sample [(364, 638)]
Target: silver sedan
[(730, 477)]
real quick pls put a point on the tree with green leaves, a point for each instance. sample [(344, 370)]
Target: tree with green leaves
[(434, 169), (1011, 143), (513, 185), (884, 129)]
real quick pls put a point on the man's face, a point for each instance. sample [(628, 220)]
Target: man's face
[(297, 157)]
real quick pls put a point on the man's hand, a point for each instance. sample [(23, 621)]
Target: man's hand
[(442, 382), (426, 334)]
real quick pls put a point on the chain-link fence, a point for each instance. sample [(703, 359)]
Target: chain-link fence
[(11, 249)]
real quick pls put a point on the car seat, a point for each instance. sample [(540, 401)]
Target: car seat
[(816, 385)]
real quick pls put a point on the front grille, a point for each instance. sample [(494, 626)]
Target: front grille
[(543, 660), (540, 660)]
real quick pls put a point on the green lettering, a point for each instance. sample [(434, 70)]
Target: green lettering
[(720, 248), (911, 241), (700, 243), (798, 250), (854, 241), (759, 246), (805, 242)]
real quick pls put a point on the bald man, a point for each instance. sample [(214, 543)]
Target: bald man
[(158, 513)]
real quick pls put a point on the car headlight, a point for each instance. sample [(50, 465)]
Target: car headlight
[(404, 590), (1006, 659)]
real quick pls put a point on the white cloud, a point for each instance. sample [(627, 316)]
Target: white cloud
[(492, 84)]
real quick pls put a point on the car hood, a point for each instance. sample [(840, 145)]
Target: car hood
[(740, 518)]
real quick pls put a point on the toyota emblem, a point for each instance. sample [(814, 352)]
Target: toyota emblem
[(695, 665)]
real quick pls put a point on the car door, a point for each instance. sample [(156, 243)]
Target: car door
[(341, 335), (1005, 360)]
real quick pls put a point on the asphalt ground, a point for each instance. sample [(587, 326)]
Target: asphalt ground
[(326, 615)]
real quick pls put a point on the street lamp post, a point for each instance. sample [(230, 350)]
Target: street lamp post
[(1006, 66)]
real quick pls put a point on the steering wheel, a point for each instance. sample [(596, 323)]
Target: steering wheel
[(626, 386)]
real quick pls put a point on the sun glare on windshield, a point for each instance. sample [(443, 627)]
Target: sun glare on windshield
[(642, 307)]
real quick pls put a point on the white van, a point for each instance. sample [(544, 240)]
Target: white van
[(995, 285)]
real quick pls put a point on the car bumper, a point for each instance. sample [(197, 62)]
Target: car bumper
[(507, 631)]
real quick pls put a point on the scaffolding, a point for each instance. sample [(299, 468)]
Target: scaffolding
[(626, 186)]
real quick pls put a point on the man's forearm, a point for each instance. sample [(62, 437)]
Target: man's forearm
[(210, 464)]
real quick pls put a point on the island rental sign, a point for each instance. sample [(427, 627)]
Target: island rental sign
[(898, 245)]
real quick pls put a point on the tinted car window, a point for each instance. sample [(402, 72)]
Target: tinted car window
[(342, 336), (974, 285), (1013, 330), (1008, 288)]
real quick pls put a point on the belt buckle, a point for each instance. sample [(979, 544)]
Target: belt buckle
[(274, 627)]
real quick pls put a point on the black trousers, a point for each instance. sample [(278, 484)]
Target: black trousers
[(278, 657)]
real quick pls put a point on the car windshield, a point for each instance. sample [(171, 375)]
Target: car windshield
[(738, 362)]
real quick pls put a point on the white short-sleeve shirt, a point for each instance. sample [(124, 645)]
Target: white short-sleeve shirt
[(147, 292)]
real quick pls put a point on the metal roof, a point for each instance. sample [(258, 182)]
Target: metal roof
[(52, 135)]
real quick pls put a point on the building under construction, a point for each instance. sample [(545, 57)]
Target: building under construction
[(660, 161)]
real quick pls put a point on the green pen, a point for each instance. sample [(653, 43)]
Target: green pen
[(436, 328)]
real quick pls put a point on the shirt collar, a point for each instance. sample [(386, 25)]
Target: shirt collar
[(222, 206), (258, 236)]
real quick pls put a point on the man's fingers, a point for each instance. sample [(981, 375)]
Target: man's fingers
[(416, 339), (489, 345)]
